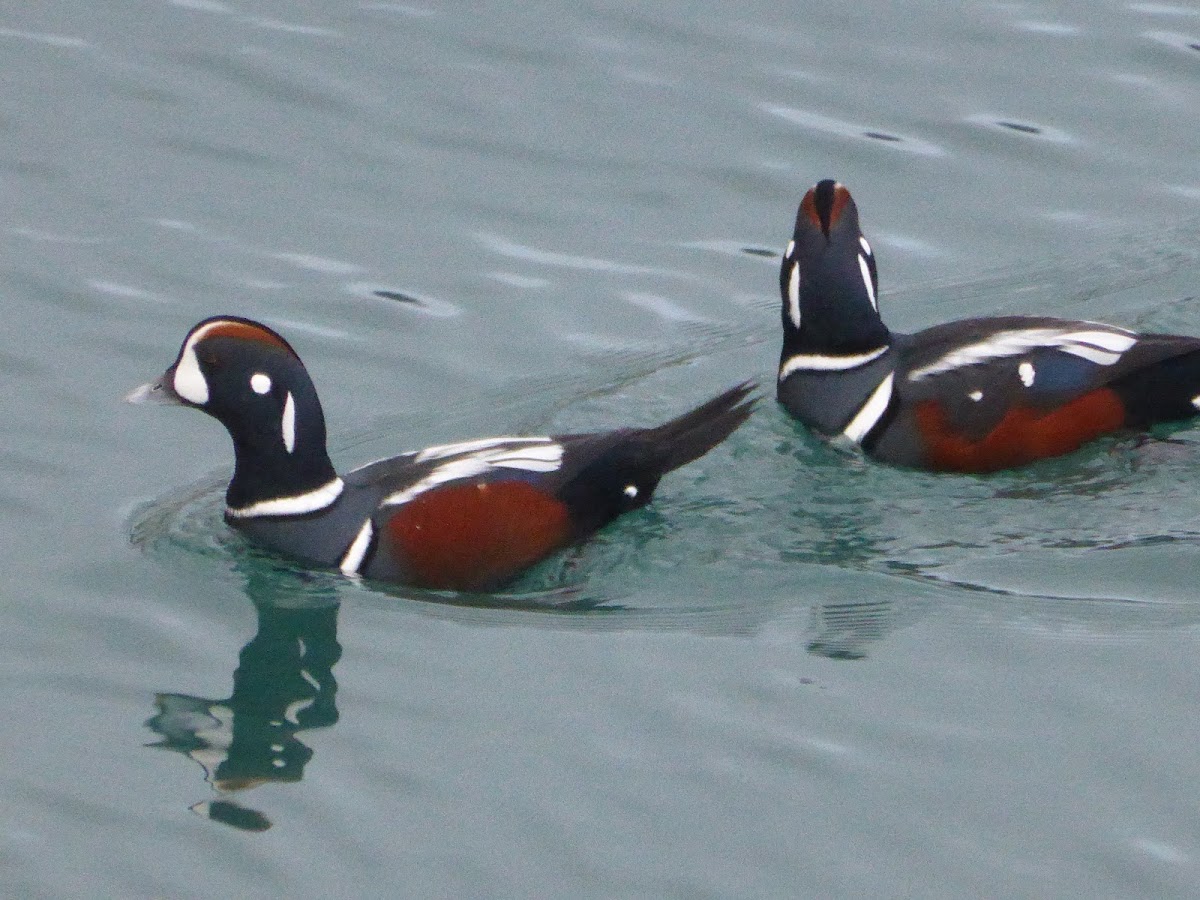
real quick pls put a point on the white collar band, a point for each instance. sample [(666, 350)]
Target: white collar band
[(290, 506)]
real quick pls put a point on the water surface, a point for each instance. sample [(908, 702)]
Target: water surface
[(796, 674)]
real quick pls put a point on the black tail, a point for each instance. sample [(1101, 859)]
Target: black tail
[(687, 438), (626, 469)]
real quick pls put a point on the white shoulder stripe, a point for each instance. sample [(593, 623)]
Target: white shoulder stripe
[(1102, 347), (871, 412), (815, 362), (290, 506)]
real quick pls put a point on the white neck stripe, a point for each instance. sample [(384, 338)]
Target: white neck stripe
[(287, 424), (290, 506), (815, 362), (866, 277), (794, 294)]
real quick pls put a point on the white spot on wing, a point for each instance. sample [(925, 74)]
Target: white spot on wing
[(976, 395), (871, 412), (290, 506), (630, 491), (862, 242), (815, 362), (1196, 401), (260, 383), (357, 551), (288, 424), (1027, 373), (1102, 347)]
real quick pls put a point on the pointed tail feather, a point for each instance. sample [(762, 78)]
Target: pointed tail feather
[(693, 434)]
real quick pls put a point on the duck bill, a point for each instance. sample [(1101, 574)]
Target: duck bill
[(158, 391)]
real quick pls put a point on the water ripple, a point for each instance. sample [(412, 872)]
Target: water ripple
[(1033, 129), (511, 249), (842, 128)]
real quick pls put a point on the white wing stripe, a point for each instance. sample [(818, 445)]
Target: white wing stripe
[(443, 450), (543, 456), (1101, 347), (1116, 341)]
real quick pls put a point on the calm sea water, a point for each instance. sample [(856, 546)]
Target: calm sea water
[(806, 676)]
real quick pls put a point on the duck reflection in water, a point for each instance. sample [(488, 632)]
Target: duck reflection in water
[(283, 685)]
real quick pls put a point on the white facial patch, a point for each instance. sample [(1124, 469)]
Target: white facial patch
[(1095, 345), (288, 424), (976, 395), (866, 277), (816, 362), (1027, 373), (189, 382), (525, 454), (630, 491), (1196, 401), (871, 412), (260, 383)]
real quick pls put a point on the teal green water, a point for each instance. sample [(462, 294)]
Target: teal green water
[(796, 674)]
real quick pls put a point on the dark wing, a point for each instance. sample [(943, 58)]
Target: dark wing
[(979, 371)]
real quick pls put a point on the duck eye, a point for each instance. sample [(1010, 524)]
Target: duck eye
[(260, 383)]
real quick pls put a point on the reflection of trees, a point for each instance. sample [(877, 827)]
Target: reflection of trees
[(283, 685)]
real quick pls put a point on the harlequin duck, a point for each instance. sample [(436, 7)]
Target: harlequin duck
[(466, 516), (974, 395)]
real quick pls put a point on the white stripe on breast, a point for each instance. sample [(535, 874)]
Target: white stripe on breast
[(871, 412), (357, 551)]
